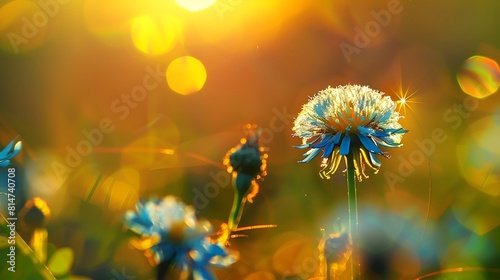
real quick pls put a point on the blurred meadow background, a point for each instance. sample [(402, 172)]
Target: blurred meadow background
[(119, 100)]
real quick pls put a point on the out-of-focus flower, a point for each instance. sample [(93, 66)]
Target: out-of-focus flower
[(171, 233), (247, 163), (34, 217), (9, 152), (334, 251), (348, 120), (211, 253)]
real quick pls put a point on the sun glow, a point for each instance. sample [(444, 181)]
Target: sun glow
[(195, 5), (405, 100)]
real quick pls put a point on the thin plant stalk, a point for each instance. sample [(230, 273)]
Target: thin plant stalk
[(241, 184), (236, 211), (353, 216), (329, 271), (234, 218)]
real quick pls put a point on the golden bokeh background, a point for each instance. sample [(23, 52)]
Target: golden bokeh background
[(119, 100)]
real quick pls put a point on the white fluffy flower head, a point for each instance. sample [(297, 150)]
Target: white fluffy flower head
[(346, 120)]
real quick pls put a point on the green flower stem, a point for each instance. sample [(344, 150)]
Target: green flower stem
[(236, 211), (328, 271), (353, 216), (241, 184), (234, 217)]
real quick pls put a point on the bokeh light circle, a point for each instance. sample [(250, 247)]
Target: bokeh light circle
[(61, 261), (155, 35), (477, 155), (186, 75), (195, 5), (479, 76), (485, 132)]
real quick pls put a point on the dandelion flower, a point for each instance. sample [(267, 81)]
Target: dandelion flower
[(247, 163), (348, 120), (171, 233)]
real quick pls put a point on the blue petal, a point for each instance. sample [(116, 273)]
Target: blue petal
[(336, 138), (383, 143), (17, 148), (375, 160), (345, 145), (323, 142), (387, 141), (4, 163), (311, 155), (302, 146), (6, 152), (144, 215), (215, 250), (203, 273), (388, 132), (307, 145), (386, 116), (166, 251), (328, 149), (369, 144), (140, 221), (401, 131), (314, 140), (395, 130), (318, 108), (372, 116), (366, 130), (381, 133)]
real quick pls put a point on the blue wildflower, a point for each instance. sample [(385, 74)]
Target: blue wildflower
[(334, 252), (9, 152), (247, 162), (208, 252), (348, 120), (171, 233)]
